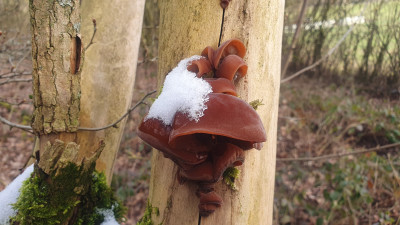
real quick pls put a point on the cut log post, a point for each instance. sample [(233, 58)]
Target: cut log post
[(186, 27)]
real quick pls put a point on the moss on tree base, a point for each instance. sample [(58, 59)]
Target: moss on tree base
[(62, 199)]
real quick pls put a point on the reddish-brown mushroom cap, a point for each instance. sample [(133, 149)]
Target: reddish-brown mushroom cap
[(230, 66), (221, 85), (223, 155), (209, 202), (231, 47), (156, 134), (200, 66), (208, 52), (203, 149), (226, 116)]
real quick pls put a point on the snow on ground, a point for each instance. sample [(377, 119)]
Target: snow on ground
[(348, 21), (182, 91), (10, 195), (109, 218)]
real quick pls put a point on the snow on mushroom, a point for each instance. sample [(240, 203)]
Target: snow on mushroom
[(199, 122)]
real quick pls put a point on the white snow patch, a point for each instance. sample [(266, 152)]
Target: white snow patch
[(109, 218), (183, 92), (10, 195)]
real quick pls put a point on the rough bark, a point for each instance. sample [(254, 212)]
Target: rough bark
[(63, 152), (108, 75), (186, 27), (56, 52)]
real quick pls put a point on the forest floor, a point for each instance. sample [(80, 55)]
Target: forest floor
[(316, 117)]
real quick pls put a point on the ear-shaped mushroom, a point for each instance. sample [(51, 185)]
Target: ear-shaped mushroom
[(204, 148), (226, 116), (209, 202), (223, 156), (231, 47), (230, 66), (200, 66), (208, 52), (222, 85), (156, 134)]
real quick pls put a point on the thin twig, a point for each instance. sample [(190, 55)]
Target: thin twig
[(22, 59), (121, 118), (28, 128), (329, 53), (15, 81), (14, 74), (147, 60), (14, 103), (94, 33), (338, 155), (19, 126)]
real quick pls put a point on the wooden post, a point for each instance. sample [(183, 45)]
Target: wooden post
[(186, 27)]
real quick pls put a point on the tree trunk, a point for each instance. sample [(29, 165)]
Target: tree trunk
[(186, 27), (108, 75), (66, 158)]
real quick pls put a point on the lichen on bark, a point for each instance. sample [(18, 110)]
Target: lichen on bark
[(56, 85)]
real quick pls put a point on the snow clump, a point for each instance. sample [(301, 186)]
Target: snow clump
[(183, 92), (10, 195)]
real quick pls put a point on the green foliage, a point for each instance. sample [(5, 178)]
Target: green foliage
[(321, 119), (149, 211), (41, 203), (230, 175), (340, 191)]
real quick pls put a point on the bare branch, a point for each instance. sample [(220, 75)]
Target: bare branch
[(28, 128), (14, 103), (147, 60), (121, 118), (338, 155), (329, 53), (15, 81), (94, 33), (19, 126), (13, 74)]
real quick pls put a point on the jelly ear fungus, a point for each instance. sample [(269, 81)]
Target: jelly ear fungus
[(204, 149)]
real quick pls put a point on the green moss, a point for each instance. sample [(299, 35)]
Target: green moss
[(230, 175), (256, 103), (52, 201), (146, 219)]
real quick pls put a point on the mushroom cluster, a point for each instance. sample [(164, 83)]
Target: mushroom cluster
[(204, 148)]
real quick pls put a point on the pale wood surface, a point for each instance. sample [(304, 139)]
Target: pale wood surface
[(186, 27), (108, 74)]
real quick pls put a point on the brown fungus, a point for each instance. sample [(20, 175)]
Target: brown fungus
[(203, 149)]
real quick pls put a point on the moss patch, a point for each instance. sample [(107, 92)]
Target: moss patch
[(54, 199), (230, 175), (146, 219), (256, 103)]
